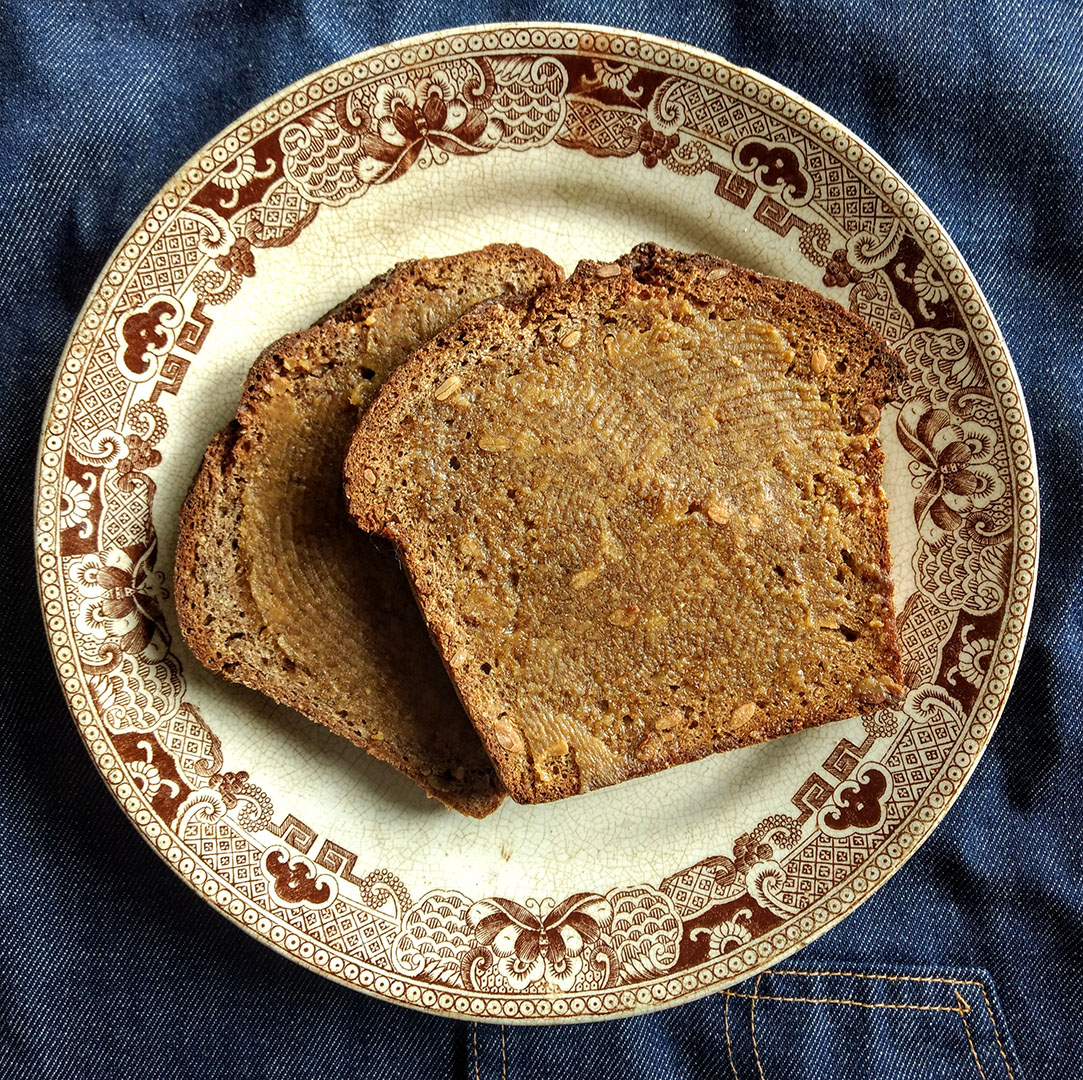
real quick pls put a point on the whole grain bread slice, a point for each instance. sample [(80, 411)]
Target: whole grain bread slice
[(642, 513), (276, 588)]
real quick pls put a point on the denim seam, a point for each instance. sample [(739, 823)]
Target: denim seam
[(726, 1023), (503, 1055), (754, 997), (916, 978), (752, 1024), (886, 978), (477, 1071), (963, 1009), (996, 1033)]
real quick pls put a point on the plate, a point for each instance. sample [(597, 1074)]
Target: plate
[(581, 141)]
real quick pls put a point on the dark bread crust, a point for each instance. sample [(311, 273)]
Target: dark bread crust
[(862, 376), (872, 371), (414, 720)]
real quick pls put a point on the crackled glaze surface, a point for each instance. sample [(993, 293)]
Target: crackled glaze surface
[(582, 142)]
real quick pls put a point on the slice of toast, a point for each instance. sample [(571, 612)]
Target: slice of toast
[(642, 514), (278, 590)]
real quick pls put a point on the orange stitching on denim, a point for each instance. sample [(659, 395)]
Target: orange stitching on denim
[(887, 978), (477, 1074), (963, 1009), (729, 1045), (504, 1056), (996, 1034), (847, 1001), (755, 1049)]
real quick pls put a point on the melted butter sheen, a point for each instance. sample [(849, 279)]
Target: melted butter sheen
[(654, 538)]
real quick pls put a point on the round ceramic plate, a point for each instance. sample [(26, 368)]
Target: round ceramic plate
[(581, 141)]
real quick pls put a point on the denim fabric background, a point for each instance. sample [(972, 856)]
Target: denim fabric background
[(968, 963)]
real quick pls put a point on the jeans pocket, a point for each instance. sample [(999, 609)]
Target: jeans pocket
[(872, 1024)]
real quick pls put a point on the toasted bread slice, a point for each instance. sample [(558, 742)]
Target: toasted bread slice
[(278, 590), (642, 514)]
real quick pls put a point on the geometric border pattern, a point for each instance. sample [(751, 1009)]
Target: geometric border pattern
[(796, 173)]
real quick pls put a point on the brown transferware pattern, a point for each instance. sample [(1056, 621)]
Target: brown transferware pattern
[(588, 140)]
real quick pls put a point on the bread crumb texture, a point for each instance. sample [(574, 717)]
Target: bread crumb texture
[(275, 586), (647, 525)]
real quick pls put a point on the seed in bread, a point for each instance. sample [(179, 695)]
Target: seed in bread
[(649, 524)]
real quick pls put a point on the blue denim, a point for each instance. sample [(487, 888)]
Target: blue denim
[(967, 963)]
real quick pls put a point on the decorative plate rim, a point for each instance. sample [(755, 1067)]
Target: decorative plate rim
[(629, 1000)]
